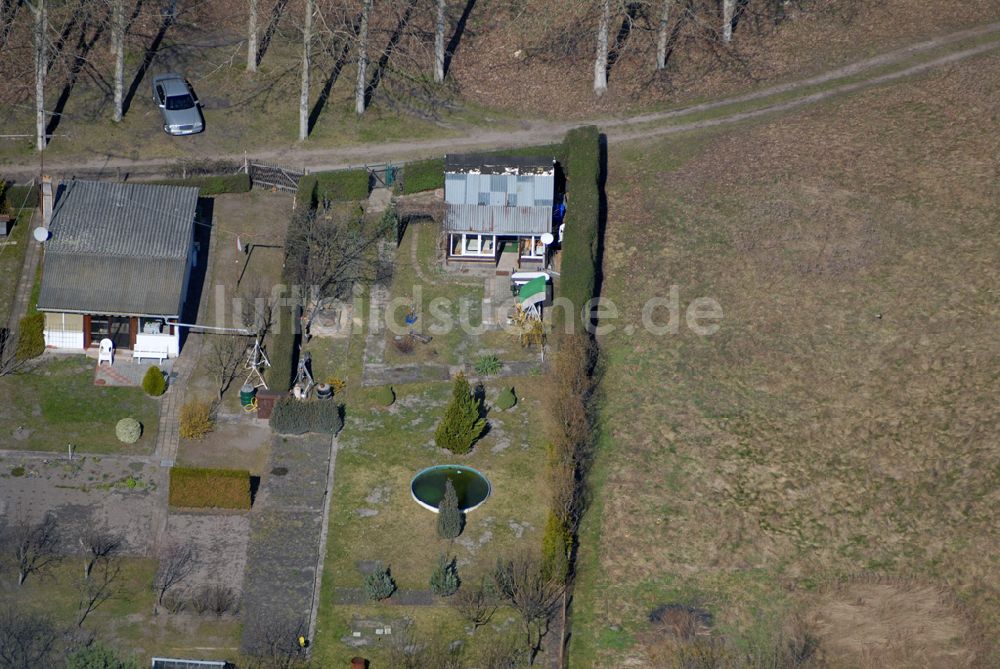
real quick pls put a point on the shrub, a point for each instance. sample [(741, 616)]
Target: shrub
[(450, 519), (293, 416), (18, 471), (196, 419), (212, 185), (154, 383), (421, 175), (337, 384), (506, 399), (462, 423), (488, 365), (385, 395), (17, 196), (30, 337), (197, 487), (403, 343), (444, 578), (305, 195), (342, 185), (557, 542), (581, 238), (379, 584), (215, 599), (98, 656), (128, 430)]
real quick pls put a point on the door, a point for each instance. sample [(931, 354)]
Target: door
[(116, 328)]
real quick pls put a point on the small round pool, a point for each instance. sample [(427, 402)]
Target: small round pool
[(472, 488)]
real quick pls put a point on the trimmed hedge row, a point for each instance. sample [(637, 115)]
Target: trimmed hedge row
[(284, 350), (421, 175), (30, 337), (17, 196), (292, 416), (212, 185), (342, 185), (583, 210), (197, 487)]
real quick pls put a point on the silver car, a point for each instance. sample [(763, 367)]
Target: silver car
[(178, 104)]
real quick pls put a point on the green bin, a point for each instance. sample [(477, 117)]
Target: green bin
[(247, 393)]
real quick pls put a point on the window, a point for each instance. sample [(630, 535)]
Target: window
[(176, 102)]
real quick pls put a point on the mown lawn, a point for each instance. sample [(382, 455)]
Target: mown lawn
[(54, 402), (381, 449), (826, 462)]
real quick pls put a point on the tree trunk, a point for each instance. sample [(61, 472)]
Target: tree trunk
[(118, 44), (662, 34), (601, 62), (41, 65), (359, 89), (252, 37), (21, 575), (306, 66), (728, 8), (439, 42)]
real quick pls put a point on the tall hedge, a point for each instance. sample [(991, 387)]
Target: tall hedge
[(30, 337), (17, 196), (284, 349), (212, 185), (342, 185), (583, 209), (197, 487), (421, 175)]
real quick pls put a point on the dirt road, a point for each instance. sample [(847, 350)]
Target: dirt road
[(792, 95)]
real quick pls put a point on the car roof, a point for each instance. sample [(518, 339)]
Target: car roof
[(173, 84)]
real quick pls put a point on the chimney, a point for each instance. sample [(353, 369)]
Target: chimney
[(46, 200)]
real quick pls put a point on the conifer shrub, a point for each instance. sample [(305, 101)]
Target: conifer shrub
[(444, 578), (154, 383), (506, 399), (385, 395), (450, 519), (462, 424), (30, 337), (379, 584)]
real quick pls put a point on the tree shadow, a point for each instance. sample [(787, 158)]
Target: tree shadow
[(456, 37), (675, 34), (83, 48), (338, 66), (272, 27), (147, 60), (632, 12), (383, 61)]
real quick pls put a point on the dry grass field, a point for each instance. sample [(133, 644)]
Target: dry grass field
[(828, 460)]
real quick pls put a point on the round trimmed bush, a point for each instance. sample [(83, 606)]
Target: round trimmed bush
[(506, 399), (385, 396), (154, 383), (128, 430)]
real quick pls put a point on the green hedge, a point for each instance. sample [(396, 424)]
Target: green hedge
[(17, 196), (305, 196), (292, 416), (30, 337), (196, 487), (284, 350), (212, 185), (342, 185), (583, 207), (422, 175)]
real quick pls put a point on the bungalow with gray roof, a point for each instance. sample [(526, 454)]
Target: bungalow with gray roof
[(117, 266)]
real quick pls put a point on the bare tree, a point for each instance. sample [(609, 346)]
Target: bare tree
[(601, 62), (476, 604), (331, 255), (224, 356), (27, 640), (118, 45), (98, 544), (271, 642), (34, 545), (408, 651), (252, 35), (176, 564), (306, 67), (362, 84), (41, 42), (728, 9), (662, 34), (95, 591), (439, 26), (525, 585), (500, 651), (9, 362)]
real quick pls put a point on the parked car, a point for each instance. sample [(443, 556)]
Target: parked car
[(178, 104)]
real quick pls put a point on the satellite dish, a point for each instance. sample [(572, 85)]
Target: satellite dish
[(547, 238), (41, 234)]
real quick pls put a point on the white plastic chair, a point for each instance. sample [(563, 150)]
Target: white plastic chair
[(106, 352)]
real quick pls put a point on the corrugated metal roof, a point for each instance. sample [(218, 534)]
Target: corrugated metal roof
[(499, 190), (119, 249), (498, 220), (115, 219), (492, 163)]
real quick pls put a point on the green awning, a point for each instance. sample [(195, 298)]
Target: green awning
[(532, 292)]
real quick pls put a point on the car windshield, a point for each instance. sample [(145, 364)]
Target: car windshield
[(180, 102)]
